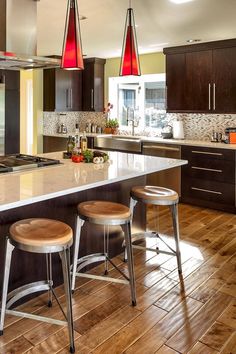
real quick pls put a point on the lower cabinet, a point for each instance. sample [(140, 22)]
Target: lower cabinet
[(209, 178), (54, 143)]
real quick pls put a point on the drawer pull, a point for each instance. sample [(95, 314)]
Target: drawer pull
[(206, 169), (164, 148), (205, 190), (207, 153)]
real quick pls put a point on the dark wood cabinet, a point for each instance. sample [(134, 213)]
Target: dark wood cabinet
[(62, 90), (57, 143), (198, 78), (209, 178), (224, 80), (11, 79), (201, 78), (175, 85), (93, 85)]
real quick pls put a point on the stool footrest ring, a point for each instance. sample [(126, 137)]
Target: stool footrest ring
[(91, 258), (27, 289)]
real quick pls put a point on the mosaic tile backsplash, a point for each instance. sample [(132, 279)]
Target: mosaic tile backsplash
[(196, 126), (52, 120)]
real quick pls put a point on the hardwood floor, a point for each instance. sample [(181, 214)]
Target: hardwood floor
[(194, 315)]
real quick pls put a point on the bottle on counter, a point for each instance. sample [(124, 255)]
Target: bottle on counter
[(70, 145), (76, 129), (83, 142), (76, 149)]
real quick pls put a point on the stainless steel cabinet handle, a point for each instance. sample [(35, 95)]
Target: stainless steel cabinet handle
[(214, 96), (207, 153), (163, 148), (71, 98), (92, 99), (205, 190), (67, 98), (206, 169), (166, 90), (209, 97)]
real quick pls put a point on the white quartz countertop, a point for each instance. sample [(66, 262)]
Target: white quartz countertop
[(161, 140), (57, 135), (189, 142), (31, 186)]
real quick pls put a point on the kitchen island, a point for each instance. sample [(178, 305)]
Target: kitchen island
[(55, 191)]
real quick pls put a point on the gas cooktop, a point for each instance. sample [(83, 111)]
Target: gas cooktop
[(18, 162)]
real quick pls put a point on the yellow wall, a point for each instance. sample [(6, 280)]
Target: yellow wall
[(24, 76), (38, 110), (153, 63), (37, 78)]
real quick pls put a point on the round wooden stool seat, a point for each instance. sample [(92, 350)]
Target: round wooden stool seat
[(97, 209), (41, 232), (155, 195)]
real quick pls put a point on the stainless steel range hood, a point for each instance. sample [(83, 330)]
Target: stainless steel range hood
[(18, 36)]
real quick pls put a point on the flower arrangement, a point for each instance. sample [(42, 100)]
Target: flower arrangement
[(112, 125), (107, 110)]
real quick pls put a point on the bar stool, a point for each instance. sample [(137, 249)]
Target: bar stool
[(157, 196), (39, 236), (106, 214)]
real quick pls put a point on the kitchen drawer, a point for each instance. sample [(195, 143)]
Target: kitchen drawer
[(202, 154), (210, 169), (208, 190)]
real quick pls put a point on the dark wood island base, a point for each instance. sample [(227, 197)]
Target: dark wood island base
[(28, 267)]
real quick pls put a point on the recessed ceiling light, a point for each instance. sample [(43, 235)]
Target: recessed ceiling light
[(193, 40), (180, 1)]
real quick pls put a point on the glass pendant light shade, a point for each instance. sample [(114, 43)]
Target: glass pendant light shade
[(72, 56), (130, 59)]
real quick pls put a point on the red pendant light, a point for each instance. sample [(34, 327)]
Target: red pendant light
[(72, 56), (130, 59)]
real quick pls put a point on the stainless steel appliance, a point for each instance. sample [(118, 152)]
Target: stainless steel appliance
[(169, 178), (18, 162), (18, 39), (2, 119), (119, 143)]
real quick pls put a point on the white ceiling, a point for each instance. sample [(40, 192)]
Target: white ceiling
[(160, 23)]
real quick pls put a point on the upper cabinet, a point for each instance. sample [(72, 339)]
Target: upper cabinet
[(69, 90), (93, 85), (201, 78), (62, 90)]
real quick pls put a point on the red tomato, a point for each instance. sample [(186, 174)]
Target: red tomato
[(77, 158)]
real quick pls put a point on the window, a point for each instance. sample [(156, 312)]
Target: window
[(142, 96)]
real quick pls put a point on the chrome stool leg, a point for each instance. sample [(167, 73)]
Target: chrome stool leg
[(174, 211), (132, 205), (7, 264), (65, 259), (130, 259), (79, 224), (106, 247), (49, 277)]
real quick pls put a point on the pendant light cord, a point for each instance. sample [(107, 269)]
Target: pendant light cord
[(130, 4)]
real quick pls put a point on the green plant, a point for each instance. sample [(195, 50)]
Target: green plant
[(112, 123)]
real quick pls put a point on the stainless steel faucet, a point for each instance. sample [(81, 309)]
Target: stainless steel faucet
[(130, 118)]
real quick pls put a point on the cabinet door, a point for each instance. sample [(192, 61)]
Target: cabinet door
[(88, 87), (175, 81), (198, 79), (224, 77), (76, 91), (12, 121), (93, 85), (63, 93)]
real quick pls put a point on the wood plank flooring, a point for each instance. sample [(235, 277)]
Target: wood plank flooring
[(195, 314)]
